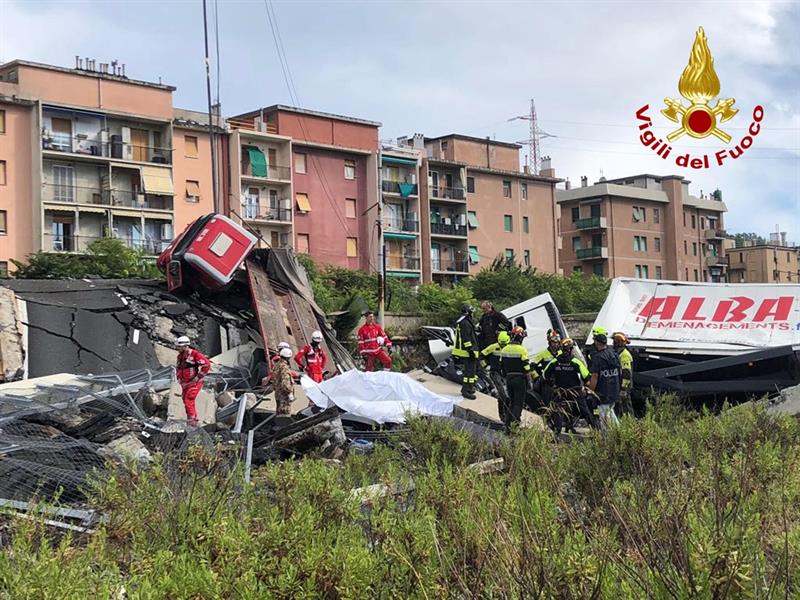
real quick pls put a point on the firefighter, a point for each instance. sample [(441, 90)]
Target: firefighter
[(373, 343), (191, 368), (312, 358), (492, 362), (517, 370), (605, 369), (621, 342), (491, 324), (283, 382), (568, 375), (543, 358), (465, 349)]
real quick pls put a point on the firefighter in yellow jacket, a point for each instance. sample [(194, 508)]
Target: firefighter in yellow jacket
[(466, 350), (517, 370), (621, 342)]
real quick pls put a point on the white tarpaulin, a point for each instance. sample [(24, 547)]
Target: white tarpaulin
[(721, 317), (384, 396)]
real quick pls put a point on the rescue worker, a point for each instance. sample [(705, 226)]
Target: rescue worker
[(543, 358), (491, 324), (621, 342), (491, 361), (283, 382), (465, 349), (373, 343), (517, 370), (191, 368), (275, 359), (605, 369), (568, 375), (312, 358)]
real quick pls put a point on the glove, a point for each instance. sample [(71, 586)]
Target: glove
[(381, 341), (291, 397)]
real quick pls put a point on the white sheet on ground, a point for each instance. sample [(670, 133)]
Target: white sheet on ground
[(384, 396)]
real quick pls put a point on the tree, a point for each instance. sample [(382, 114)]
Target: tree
[(741, 238)]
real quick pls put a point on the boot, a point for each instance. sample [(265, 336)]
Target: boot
[(468, 391)]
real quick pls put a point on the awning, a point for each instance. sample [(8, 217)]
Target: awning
[(402, 274), (72, 111), (192, 189), (157, 180), (59, 208), (474, 257), (258, 162), (472, 219), (399, 161), (157, 216), (92, 209), (406, 189), (118, 165), (399, 236), (121, 212), (303, 203)]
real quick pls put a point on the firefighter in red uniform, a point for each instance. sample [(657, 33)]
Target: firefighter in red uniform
[(312, 358), (192, 367), (373, 343)]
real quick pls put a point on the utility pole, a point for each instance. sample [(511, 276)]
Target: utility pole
[(534, 160), (211, 136), (381, 244)]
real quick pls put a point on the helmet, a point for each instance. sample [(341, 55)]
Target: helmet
[(503, 338), (182, 341), (600, 334), (466, 309), (316, 336), (553, 337), (567, 344), (283, 345), (285, 352), (518, 332), (620, 339)]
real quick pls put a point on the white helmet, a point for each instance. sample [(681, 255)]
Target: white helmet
[(182, 341), (380, 340), (316, 336), (285, 352), (284, 345)]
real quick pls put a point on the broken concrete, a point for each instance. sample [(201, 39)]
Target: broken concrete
[(206, 404), (788, 403), (12, 358), (130, 447)]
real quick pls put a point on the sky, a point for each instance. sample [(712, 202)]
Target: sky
[(468, 67)]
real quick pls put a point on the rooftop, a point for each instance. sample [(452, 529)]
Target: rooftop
[(469, 138), (83, 73), (311, 113), (647, 175)]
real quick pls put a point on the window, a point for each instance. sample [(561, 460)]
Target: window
[(303, 243), (2, 172), (2, 121), (524, 224), (576, 213), (686, 272), (509, 254), (694, 250), (508, 223), (3, 222), (190, 146), (694, 225), (696, 278), (471, 185), (472, 219), (192, 191), (594, 210), (658, 272), (639, 243), (523, 190), (443, 145), (639, 215), (352, 247), (657, 243), (506, 188), (685, 248), (350, 208), (3, 268), (300, 164), (474, 257), (349, 169), (526, 256), (577, 269), (702, 222), (656, 215), (645, 272), (597, 269), (576, 243), (303, 203), (684, 224), (640, 271)]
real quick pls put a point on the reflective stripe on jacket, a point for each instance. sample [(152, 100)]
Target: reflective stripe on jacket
[(466, 342)]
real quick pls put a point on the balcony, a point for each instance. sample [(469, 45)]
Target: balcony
[(717, 261), (399, 187), (715, 234), (447, 229), (448, 193), (395, 262), (391, 224), (111, 198), (259, 212), (458, 265), (272, 172), (97, 146), (79, 243), (593, 253), (591, 223)]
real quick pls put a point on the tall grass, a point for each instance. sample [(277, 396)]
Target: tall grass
[(665, 507)]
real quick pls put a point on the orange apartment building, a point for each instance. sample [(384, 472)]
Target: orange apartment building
[(770, 263), (87, 153), (644, 226)]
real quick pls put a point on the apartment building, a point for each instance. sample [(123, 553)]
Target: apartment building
[(328, 166), (480, 206), (400, 221), (770, 263), (87, 153), (644, 226)]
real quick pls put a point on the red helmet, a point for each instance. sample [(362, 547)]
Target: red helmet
[(553, 337), (518, 332)]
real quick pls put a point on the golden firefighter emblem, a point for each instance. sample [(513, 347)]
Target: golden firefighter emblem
[(699, 84)]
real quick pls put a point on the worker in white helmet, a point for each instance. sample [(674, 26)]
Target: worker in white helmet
[(191, 368), (282, 382), (312, 358)]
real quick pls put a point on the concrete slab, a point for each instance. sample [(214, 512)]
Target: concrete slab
[(12, 354), (165, 356), (789, 402), (130, 446), (238, 356), (206, 406)]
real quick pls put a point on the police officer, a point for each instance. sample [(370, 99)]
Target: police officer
[(626, 374), (491, 360), (605, 369), (465, 348), (568, 375), (516, 368)]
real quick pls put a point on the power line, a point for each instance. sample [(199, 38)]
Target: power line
[(651, 154), (216, 43)]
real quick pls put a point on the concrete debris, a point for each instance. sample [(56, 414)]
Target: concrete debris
[(130, 447), (206, 404), (788, 403)]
